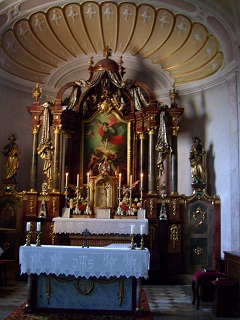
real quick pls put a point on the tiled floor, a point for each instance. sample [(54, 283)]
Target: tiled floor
[(167, 302), (12, 295)]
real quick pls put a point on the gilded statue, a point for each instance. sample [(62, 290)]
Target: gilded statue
[(45, 148), (196, 158), (12, 152)]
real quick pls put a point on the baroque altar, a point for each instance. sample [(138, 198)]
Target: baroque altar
[(108, 150)]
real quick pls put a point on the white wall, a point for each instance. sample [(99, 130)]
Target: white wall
[(212, 114), (14, 117)]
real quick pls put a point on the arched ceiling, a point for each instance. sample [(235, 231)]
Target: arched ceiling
[(48, 43)]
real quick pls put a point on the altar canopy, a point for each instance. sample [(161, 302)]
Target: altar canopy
[(100, 226), (114, 260)]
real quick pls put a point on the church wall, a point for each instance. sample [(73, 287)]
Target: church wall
[(212, 114), (14, 117)]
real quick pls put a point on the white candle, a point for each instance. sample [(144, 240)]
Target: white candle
[(120, 177), (88, 178), (38, 226), (28, 226), (132, 228), (66, 179), (142, 229), (77, 180), (130, 181), (141, 181)]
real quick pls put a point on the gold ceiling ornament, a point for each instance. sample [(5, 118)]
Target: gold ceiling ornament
[(47, 40)]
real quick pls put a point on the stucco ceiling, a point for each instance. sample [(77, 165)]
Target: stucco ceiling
[(50, 42)]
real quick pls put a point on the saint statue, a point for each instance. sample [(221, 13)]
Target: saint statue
[(196, 158), (12, 152)]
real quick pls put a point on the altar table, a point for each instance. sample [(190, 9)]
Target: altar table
[(103, 231), (96, 278), (100, 226)]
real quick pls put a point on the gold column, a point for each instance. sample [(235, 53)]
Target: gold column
[(174, 112), (141, 152), (56, 112), (36, 111), (151, 161)]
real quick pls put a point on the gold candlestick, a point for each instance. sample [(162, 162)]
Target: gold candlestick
[(28, 238), (38, 244), (132, 247), (142, 243)]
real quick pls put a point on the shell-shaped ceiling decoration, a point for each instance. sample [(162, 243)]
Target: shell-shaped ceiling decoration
[(43, 41)]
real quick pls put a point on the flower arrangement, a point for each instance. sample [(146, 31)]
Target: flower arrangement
[(125, 206), (82, 204)]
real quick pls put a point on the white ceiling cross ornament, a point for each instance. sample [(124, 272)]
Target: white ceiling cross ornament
[(108, 12), (164, 20), (145, 15), (22, 31), (181, 26), (56, 17), (38, 23), (90, 11), (72, 13), (127, 13)]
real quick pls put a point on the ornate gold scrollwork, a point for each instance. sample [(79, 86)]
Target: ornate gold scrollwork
[(57, 128), (198, 251), (151, 206), (52, 235), (174, 235), (54, 199), (196, 214), (151, 235), (31, 202), (174, 208), (35, 129)]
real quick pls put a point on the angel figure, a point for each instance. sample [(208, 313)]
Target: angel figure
[(108, 131)]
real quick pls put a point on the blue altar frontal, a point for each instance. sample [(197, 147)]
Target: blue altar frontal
[(81, 293), (96, 278)]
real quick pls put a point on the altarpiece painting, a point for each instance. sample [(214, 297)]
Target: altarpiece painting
[(106, 140)]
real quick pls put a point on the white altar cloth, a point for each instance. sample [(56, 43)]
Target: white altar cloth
[(99, 226), (114, 260)]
